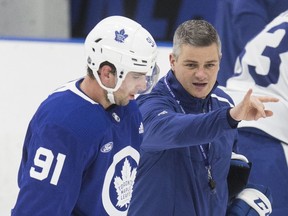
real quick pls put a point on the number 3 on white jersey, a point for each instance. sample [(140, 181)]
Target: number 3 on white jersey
[(44, 159)]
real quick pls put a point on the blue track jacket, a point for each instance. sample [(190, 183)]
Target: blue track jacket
[(172, 178)]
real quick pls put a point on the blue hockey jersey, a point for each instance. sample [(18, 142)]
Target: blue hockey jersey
[(172, 178), (78, 158)]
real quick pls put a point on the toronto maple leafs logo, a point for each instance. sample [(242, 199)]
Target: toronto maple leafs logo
[(118, 188), (124, 184), (120, 36)]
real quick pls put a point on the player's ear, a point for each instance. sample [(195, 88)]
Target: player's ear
[(105, 71), (106, 76)]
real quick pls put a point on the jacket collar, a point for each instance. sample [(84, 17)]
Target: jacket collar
[(187, 101)]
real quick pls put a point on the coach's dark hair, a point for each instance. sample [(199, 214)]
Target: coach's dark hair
[(198, 33)]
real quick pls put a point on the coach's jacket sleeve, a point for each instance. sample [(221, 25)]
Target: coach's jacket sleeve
[(166, 127)]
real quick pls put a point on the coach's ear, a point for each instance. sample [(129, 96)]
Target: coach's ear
[(172, 60), (254, 200)]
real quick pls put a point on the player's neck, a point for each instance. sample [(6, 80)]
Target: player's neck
[(94, 91)]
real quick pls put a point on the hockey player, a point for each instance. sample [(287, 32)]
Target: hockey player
[(237, 22), (190, 132), (80, 153), (263, 66)]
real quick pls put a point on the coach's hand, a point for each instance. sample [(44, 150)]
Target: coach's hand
[(252, 107)]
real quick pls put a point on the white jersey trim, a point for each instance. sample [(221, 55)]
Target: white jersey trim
[(72, 87), (222, 99)]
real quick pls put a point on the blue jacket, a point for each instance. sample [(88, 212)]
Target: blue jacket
[(172, 178)]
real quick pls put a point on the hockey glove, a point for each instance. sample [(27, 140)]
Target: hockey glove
[(238, 174), (254, 200)]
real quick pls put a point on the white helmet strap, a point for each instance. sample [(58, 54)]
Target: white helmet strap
[(110, 97)]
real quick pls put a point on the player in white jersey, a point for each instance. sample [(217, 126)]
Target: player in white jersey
[(81, 150), (237, 22), (263, 66)]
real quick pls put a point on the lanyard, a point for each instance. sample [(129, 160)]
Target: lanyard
[(211, 182)]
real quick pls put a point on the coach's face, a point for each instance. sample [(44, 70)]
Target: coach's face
[(196, 68)]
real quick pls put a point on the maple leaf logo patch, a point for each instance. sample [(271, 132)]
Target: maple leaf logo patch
[(124, 184), (120, 36)]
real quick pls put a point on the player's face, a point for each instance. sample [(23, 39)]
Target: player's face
[(196, 68), (131, 85)]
